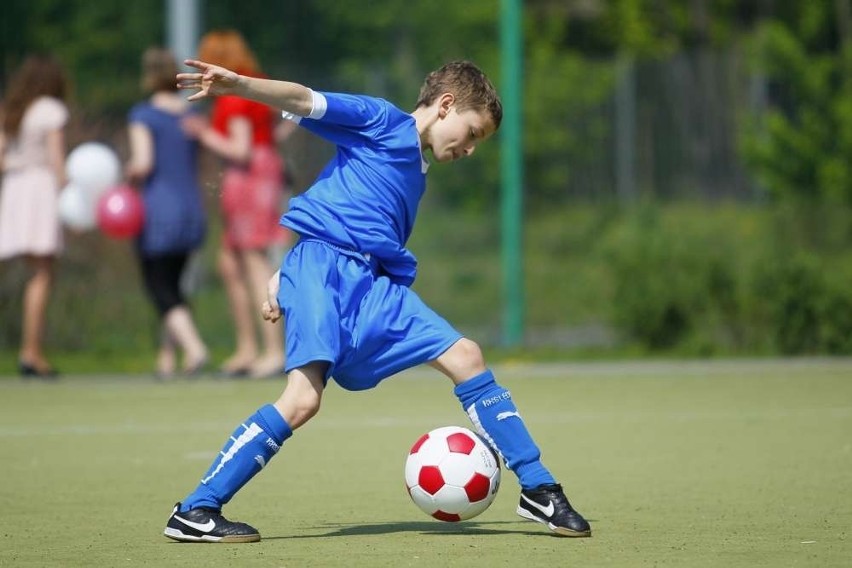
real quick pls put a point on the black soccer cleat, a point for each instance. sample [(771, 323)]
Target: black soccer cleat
[(548, 505), (207, 525)]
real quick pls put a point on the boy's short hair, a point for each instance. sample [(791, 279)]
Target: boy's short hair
[(470, 86)]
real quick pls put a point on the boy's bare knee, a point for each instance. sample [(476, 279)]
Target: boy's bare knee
[(298, 405), (461, 361), (469, 353)]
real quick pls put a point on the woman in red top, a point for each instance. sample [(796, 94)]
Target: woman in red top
[(251, 200)]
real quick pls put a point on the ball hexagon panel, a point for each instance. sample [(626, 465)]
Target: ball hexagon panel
[(457, 469), (422, 500), (412, 470), (432, 451), (451, 499)]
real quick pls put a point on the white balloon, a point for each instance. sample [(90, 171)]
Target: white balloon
[(76, 209), (93, 167)]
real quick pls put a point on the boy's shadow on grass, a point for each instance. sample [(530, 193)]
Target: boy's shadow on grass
[(426, 527)]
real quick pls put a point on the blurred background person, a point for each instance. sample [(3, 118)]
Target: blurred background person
[(164, 161), (242, 133), (32, 161)]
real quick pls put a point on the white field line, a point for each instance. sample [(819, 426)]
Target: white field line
[(685, 368), (524, 369), (657, 368), (378, 423), (520, 370)]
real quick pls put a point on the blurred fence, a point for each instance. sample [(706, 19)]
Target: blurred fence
[(670, 130)]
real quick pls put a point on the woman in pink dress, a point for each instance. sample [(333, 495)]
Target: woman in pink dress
[(32, 159), (251, 198)]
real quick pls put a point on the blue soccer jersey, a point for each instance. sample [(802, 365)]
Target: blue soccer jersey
[(366, 198)]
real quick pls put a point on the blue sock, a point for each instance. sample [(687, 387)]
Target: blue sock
[(496, 418), (248, 450)]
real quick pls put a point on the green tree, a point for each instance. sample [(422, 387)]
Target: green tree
[(99, 42), (800, 149)]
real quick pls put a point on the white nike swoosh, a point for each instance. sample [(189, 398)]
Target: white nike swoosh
[(548, 511), (206, 527)]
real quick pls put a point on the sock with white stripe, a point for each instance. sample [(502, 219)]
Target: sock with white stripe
[(247, 451), (496, 418)]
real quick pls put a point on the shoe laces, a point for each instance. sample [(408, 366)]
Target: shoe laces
[(556, 495), (214, 514)]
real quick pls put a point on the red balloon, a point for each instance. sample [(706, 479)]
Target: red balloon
[(121, 213)]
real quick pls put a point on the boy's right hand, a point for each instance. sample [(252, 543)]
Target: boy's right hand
[(213, 80), (270, 310)]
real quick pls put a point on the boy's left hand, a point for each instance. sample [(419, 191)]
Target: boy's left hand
[(270, 310)]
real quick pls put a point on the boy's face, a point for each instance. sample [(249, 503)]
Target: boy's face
[(456, 134)]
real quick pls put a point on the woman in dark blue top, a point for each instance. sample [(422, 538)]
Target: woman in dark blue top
[(164, 161)]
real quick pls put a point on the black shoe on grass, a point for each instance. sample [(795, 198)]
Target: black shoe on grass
[(548, 505), (207, 525)]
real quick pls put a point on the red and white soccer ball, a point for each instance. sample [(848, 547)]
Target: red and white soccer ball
[(452, 474)]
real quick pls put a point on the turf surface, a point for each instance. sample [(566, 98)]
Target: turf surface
[(743, 463)]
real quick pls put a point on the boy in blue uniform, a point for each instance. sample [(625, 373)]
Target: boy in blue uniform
[(344, 292)]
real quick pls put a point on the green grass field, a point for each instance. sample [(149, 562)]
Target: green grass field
[(737, 463)]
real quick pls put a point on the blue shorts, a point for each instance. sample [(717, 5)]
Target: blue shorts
[(338, 309)]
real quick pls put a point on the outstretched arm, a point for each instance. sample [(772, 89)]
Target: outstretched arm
[(212, 80)]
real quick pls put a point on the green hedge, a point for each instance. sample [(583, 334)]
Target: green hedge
[(731, 280)]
